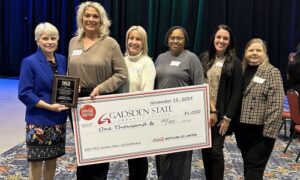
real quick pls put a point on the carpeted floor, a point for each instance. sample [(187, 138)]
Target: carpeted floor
[(13, 164)]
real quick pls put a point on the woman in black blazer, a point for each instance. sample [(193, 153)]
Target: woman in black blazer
[(223, 73)]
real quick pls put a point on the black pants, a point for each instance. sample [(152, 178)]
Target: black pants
[(138, 168), (157, 162), (175, 166), (94, 171), (255, 148), (213, 158)]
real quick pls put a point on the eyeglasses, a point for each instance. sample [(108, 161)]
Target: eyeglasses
[(178, 38)]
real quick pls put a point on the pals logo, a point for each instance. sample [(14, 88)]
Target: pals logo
[(87, 112)]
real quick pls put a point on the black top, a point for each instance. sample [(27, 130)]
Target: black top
[(53, 67), (248, 75)]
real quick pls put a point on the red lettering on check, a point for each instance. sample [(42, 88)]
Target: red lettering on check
[(103, 120)]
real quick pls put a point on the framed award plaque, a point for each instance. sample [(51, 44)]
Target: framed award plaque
[(65, 90)]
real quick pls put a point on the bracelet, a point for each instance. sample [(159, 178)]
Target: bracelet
[(226, 118), (213, 112)]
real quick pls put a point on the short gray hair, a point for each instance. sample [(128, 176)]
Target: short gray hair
[(45, 27)]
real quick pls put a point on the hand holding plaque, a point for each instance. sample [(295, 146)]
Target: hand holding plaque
[(65, 90)]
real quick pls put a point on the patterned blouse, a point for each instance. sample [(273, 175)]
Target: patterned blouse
[(213, 77)]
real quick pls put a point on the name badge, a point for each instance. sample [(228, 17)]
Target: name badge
[(258, 80), (135, 70), (175, 63), (219, 64), (77, 52)]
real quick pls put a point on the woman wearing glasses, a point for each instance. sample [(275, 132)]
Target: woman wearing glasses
[(176, 68)]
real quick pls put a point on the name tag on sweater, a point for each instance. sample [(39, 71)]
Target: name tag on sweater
[(258, 80), (135, 70), (76, 52), (175, 63)]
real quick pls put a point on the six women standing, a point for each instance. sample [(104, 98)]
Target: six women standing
[(96, 58)]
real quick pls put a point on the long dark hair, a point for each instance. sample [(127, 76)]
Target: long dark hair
[(229, 54)]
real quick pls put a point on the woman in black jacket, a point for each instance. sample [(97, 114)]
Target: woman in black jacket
[(294, 70), (294, 75), (223, 73)]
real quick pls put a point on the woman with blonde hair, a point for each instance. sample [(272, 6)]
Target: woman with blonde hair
[(260, 117), (97, 60), (141, 78)]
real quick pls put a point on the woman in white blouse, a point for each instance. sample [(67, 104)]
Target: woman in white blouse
[(141, 78)]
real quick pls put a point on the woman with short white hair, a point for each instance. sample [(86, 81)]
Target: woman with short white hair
[(45, 122)]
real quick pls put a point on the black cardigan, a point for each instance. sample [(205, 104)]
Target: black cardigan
[(229, 93)]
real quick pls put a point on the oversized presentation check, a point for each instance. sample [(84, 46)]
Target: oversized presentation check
[(131, 125)]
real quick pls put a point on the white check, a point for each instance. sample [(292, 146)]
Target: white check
[(131, 125)]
